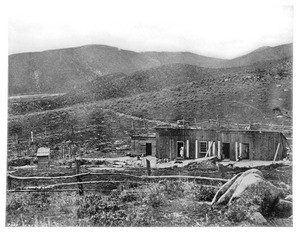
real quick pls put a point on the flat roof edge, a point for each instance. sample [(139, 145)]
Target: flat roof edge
[(217, 130)]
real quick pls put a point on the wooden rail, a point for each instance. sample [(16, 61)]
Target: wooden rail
[(80, 183), (121, 174)]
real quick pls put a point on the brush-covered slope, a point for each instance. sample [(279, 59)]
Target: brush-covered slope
[(257, 93), (121, 85), (157, 79)]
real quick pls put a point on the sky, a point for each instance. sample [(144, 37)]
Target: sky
[(216, 30)]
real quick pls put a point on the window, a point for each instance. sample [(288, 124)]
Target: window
[(202, 148)]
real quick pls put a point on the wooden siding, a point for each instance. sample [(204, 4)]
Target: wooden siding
[(43, 161), (138, 145), (262, 145)]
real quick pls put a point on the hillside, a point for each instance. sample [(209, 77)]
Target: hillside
[(119, 85), (260, 93), (262, 54), (58, 71)]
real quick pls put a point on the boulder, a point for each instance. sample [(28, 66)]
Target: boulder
[(236, 186), (247, 194)]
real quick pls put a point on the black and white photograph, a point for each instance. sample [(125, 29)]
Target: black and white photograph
[(149, 114)]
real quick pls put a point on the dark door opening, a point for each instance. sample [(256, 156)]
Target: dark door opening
[(180, 149), (245, 151), (148, 148), (226, 150)]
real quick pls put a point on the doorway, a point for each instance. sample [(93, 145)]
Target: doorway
[(245, 151), (226, 150), (179, 146), (148, 149)]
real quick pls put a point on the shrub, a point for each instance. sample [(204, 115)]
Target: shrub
[(21, 208), (101, 211), (155, 197), (236, 213), (204, 193)]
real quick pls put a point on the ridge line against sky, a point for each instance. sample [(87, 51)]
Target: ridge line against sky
[(225, 31), (162, 51)]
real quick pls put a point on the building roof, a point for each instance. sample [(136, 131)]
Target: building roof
[(43, 151), (153, 135), (180, 127)]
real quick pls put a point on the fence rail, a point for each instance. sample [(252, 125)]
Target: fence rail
[(141, 180)]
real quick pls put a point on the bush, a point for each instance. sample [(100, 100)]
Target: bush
[(204, 193), (172, 189), (21, 161), (101, 211), (22, 208), (155, 196), (236, 213)]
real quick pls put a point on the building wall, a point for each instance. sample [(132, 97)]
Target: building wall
[(262, 145), (138, 145), (43, 161)]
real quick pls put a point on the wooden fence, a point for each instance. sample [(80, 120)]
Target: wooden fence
[(130, 179)]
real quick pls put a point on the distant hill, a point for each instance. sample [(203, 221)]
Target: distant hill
[(58, 71), (262, 54)]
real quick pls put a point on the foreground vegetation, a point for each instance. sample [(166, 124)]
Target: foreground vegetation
[(166, 203)]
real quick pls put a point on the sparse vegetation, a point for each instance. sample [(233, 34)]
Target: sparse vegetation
[(95, 119)]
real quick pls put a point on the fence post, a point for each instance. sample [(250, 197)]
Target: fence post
[(80, 186), (148, 167), (8, 183)]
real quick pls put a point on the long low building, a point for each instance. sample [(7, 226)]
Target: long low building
[(174, 142)]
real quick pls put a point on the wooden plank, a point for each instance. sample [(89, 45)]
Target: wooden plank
[(68, 177), (276, 153), (207, 152), (187, 177)]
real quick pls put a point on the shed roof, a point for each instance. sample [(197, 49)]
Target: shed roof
[(153, 135), (43, 151)]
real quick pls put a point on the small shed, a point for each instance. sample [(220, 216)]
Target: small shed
[(143, 144), (43, 156)]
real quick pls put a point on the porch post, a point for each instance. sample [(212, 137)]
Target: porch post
[(196, 149), (187, 149), (219, 150), (240, 154), (236, 151), (214, 148)]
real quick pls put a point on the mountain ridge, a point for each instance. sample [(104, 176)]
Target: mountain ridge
[(56, 71)]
